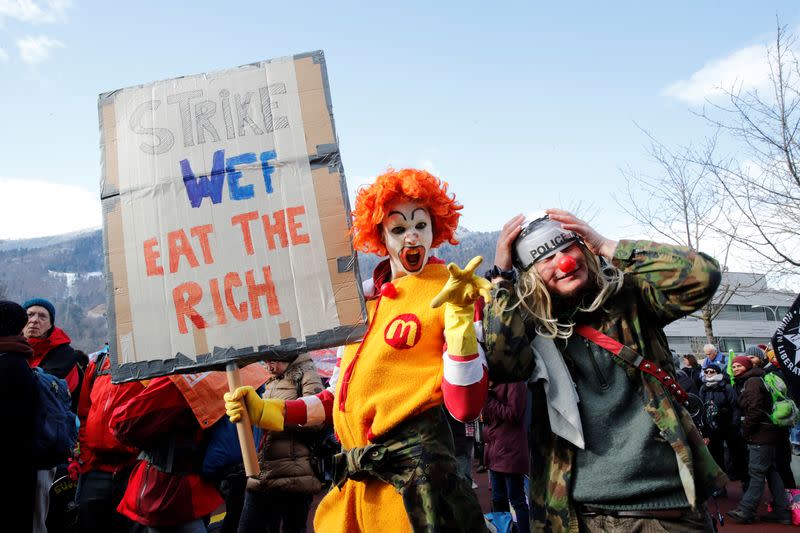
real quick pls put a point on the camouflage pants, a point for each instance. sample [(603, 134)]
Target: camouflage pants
[(417, 459)]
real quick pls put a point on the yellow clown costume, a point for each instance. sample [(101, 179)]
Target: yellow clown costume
[(395, 373), (397, 471)]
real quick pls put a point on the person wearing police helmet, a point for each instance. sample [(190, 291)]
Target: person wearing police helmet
[(580, 317)]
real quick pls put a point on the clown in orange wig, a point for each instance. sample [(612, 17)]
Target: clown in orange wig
[(419, 356), (419, 185)]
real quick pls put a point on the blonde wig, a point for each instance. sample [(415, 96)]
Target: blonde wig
[(536, 300)]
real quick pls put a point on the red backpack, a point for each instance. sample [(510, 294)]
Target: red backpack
[(98, 436)]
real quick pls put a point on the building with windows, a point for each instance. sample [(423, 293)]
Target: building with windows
[(750, 316)]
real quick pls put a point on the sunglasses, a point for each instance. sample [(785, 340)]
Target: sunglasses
[(709, 371)]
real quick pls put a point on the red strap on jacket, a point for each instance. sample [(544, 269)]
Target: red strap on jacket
[(631, 357)]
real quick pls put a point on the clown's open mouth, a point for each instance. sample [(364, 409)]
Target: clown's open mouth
[(412, 257)]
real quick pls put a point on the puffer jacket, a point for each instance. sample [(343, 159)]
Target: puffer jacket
[(285, 458), (756, 405)]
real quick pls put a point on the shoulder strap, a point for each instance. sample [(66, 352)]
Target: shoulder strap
[(767, 388), (298, 382), (634, 359)]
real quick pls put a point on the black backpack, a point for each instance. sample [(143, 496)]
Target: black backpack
[(56, 431)]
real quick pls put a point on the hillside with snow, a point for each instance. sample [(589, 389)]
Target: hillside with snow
[(69, 270)]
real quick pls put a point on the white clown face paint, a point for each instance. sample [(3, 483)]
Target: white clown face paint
[(408, 234)]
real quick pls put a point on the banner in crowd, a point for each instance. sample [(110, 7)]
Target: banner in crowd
[(786, 343), (225, 219), (325, 361)]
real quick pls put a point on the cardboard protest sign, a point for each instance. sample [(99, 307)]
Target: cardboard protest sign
[(225, 219), (786, 343)]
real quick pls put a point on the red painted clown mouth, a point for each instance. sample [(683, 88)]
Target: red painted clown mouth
[(412, 258)]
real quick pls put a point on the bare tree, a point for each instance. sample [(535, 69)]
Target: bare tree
[(761, 179), (681, 204)]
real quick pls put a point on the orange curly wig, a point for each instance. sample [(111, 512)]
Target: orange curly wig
[(404, 185)]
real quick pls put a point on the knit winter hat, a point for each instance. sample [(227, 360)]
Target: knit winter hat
[(42, 303), (12, 318), (715, 367), (744, 361), (755, 351)]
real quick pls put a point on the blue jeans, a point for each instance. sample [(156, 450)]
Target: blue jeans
[(510, 488), (762, 468)]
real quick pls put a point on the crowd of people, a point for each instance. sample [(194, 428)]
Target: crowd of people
[(583, 412)]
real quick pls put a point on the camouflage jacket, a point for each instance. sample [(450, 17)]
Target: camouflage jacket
[(661, 284)]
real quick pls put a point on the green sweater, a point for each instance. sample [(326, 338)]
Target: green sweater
[(626, 464)]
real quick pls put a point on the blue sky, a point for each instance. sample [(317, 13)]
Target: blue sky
[(518, 106)]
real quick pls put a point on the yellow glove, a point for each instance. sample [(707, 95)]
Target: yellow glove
[(463, 287), (267, 414), (459, 294)]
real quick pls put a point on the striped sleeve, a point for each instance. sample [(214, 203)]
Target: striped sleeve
[(465, 383)]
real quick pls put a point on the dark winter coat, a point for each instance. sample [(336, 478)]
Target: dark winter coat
[(686, 382), (504, 431), (20, 401), (724, 397), (756, 405), (285, 458), (695, 374)]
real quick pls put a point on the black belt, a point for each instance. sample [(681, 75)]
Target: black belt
[(658, 514)]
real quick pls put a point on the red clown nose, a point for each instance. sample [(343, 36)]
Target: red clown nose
[(567, 264)]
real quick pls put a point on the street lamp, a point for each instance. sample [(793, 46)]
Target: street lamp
[(773, 309)]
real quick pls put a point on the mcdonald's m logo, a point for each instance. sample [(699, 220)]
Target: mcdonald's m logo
[(403, 332)]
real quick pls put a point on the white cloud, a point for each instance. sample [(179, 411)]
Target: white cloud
[(36, 208), (746, 69), (3, 55), (47, 12), (34, 50), (430, 166)]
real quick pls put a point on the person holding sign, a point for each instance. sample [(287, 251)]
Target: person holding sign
[(581, 318), (420, 352)]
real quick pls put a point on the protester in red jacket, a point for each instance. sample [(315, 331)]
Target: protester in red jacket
[(53, 354), (51, 349), (165, 489), (104, 462)]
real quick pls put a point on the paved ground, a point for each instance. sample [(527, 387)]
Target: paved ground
[(725, 504)]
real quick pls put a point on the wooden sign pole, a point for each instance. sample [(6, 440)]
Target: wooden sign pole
[(243, 426)]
